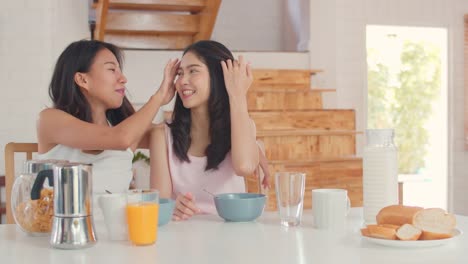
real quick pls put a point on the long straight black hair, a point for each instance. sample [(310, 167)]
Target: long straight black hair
[(66, 95), (211, 53)]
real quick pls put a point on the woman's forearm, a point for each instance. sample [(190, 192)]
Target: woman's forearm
[(160, 177), (132, 129), (244, 149), (136, 126)]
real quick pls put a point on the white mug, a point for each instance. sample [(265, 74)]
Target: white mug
[(330, 208), (113, 207)]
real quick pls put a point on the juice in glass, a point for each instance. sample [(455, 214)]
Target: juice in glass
[(142, 219)]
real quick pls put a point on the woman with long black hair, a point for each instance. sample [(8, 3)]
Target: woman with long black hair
[(211, 141), (91, 120)]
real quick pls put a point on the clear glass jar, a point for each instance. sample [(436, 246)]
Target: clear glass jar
[(380, 172), (32, 203), (32, 199)]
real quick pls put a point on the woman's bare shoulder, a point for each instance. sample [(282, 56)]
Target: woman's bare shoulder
[(52, 113)]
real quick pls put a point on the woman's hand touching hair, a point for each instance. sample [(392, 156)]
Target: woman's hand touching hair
[(167, 90), (237, 76)]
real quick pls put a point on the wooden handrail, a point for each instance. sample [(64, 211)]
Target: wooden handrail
[(101, 19), (207, 20)]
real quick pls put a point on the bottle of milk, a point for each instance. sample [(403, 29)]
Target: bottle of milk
[(380, 172)]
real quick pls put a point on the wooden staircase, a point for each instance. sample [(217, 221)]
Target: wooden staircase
[(299, 135), (155, 24)]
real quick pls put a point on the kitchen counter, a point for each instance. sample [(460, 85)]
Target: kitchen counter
[(208, 239)]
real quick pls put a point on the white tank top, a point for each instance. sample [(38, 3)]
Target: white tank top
[(112, 169)]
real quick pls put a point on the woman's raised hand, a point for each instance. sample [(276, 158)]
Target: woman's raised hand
[(237, 76), (167, 90)]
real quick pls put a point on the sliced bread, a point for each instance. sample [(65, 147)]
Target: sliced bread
[(408, 232), (381, 232), (435, 223)]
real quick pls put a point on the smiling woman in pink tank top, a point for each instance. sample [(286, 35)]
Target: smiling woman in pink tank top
[(211, 142)]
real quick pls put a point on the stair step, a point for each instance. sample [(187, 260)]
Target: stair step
[(316, 160), (305, 132), (283, 100), (307, 144), (287, 89), (297, 79), (160, 41), (284, 90), (144, 22), (159, 5), (156, 24), (323, 119), (342, 173)]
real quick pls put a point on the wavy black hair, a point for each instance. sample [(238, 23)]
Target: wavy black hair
[(211, 53), (66, 94)]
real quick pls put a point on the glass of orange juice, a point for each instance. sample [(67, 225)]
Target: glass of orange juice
[(142, 216)]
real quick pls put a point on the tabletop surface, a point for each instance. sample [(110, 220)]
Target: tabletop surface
[(208, 239)]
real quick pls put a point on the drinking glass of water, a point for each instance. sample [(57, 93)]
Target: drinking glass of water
[(289, 188)]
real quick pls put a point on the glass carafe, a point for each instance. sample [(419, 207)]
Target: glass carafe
[(380, 172), (32, 205)]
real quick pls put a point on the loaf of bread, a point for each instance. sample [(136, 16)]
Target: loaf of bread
[(411, 223), (397, 215), (435, 223)]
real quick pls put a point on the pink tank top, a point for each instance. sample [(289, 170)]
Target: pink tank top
[(192, 177)]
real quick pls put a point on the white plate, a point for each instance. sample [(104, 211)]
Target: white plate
[(413, 244)]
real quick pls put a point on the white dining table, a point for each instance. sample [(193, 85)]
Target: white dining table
[(209, 239)]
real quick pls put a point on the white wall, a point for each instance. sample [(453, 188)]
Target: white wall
[(262, 25), (32, 34), (262, 18), (30, 44), (338, 46)]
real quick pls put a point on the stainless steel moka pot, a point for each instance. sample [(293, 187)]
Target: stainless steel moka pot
[(72, 226), (36, 166)]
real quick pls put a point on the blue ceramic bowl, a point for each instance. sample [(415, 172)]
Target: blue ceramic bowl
[(166, 208), (240, 207)]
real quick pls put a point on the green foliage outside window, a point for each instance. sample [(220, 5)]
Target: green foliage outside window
[(403, 99)]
